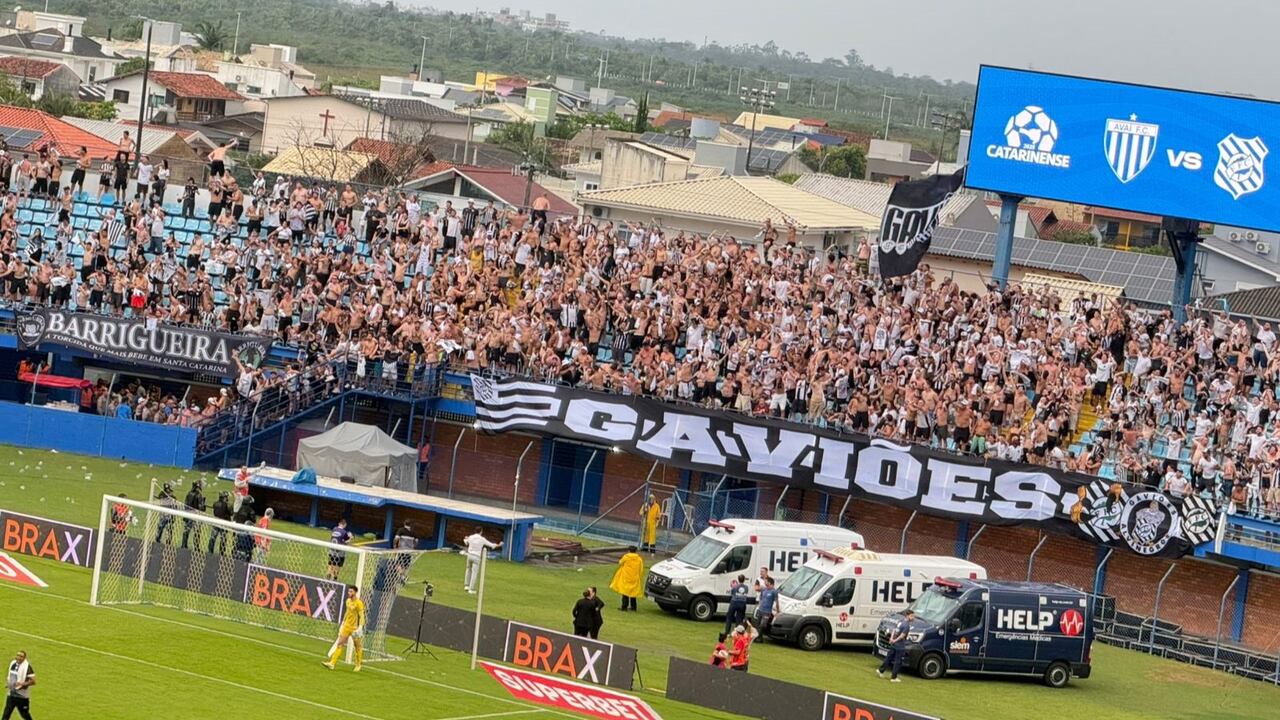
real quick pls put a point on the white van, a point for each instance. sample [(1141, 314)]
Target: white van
[(697, 579), (840, 595)]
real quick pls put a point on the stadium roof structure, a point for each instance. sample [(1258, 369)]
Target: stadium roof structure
[(743, 200), (1146, 279), (322, 163)]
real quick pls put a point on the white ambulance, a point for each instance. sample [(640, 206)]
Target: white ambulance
[(698, 578), (839, 597)]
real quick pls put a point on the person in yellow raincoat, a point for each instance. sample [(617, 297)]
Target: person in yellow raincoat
[(628, 579), (651, 511)]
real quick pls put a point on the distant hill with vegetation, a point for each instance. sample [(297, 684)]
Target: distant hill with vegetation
[(341, 39)]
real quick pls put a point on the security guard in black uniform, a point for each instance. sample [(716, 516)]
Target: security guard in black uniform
[(222, 511), (195, 504)]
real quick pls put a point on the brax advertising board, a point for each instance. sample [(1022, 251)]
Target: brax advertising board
[(1154, 150)]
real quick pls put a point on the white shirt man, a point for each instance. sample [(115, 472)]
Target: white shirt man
[(475, 544)]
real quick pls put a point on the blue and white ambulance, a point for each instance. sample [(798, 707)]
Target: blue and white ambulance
[(988, 626)]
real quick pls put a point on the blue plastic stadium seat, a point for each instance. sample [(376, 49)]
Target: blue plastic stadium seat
[(24, 215), (107, 199), (37, 203), (95, 224)]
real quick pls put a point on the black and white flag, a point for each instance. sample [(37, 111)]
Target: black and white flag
[(906, 230), (992, 492)]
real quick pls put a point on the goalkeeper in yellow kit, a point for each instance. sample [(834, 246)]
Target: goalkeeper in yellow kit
[(352, 627)]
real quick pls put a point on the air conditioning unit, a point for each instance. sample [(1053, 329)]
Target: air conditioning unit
[(1234, 236), (1263, 248), (1250, 235)]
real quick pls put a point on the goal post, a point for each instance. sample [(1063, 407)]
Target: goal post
[(163, 555)]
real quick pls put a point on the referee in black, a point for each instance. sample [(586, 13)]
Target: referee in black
[(18, 682)]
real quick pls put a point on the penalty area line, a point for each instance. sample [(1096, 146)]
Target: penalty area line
[(189, 673)]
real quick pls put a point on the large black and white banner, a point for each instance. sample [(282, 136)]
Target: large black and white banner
[(1132, 517), (146, 342), (910, 218)]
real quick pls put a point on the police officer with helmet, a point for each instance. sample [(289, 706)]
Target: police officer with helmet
[(221, 511), (195, 504)]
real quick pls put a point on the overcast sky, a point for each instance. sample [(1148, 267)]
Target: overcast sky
[(1215, 45)]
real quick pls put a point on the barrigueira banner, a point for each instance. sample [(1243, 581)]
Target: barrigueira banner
[(1143, 520), (142, 341)]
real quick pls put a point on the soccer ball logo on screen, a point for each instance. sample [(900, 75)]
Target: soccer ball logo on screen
[(1031, 128), (1030, 136)]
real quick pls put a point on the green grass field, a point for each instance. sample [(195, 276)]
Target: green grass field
[(128, 662)]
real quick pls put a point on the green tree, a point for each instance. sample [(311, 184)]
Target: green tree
[(210, 36), (1076, 237), (642, 113), (11, 94), (131, 65), (58, 105), (849, 161), (105, 110)]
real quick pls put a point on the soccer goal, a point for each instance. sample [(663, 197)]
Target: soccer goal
[(151, 554)]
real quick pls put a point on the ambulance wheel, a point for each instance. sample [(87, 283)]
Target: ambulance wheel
[(811, 637), (1057, 675), (932, 666), (702, 608)]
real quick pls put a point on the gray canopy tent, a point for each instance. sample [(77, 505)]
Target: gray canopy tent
[(362, 452)]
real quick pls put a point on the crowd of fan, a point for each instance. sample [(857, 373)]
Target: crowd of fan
[(757, 325)]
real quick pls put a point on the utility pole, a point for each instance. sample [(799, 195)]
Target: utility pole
[(695, 73), (789, 81), (235, 44), (835, 107), (422, 59), (888, 115), (142, 106)]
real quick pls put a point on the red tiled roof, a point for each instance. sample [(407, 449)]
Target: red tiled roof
[(195, 85), (813, 122), (16, 66), (392, 155), (67, 138), (510, 188), (1051, 231), (1121, 214)]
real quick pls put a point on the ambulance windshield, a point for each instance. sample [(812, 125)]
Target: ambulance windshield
[(804, 583), (701, 552), (934, 607)]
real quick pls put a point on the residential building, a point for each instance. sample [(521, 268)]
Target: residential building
[(1237, 259), (891, 161), (762, 121), (169, 52), (327, 163), (963, 210), (44, 129), (1123, 227), (504, 187), (245, 128), (733, 206), (38, 78), (257, 82), (719, 142), (605, 101), (335, 121), (86, 58), (158, 142), (174, 97), (1045, 221), (34, 20), (282, 57), (433, 154)]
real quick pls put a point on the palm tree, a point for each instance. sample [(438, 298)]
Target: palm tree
[(210, 36)]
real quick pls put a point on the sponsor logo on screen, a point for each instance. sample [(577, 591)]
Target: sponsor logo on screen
[(557, 653), (41, 537), (1130, 146), (1030, 136), (568, 695)]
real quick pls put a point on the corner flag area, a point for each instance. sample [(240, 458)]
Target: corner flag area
[(134, 661)]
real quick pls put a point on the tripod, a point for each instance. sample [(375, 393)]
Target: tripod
[(417, 646)]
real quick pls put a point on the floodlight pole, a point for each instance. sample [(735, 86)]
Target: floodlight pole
[(1004, 240)]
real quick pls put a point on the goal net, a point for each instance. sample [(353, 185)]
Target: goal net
[(162, 555)]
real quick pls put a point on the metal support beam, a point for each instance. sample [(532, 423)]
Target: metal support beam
[(1222, 610), (1155, 612), (1100, 574), (1031, 561), (515, 495), (843, 508), (582, 489), (453, 464), (968, 548), (902, 548), (1004, 240)]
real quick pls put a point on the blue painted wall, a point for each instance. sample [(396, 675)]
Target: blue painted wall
[(34, 426)]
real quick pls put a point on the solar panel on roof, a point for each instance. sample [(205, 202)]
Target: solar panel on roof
[(1070, 256), (18, 138)]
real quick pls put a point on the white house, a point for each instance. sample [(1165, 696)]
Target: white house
[(335, 121), (86, 58)]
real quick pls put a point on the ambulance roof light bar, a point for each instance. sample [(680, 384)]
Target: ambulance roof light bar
[(720, 525), (829, 556), (949, 584)]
